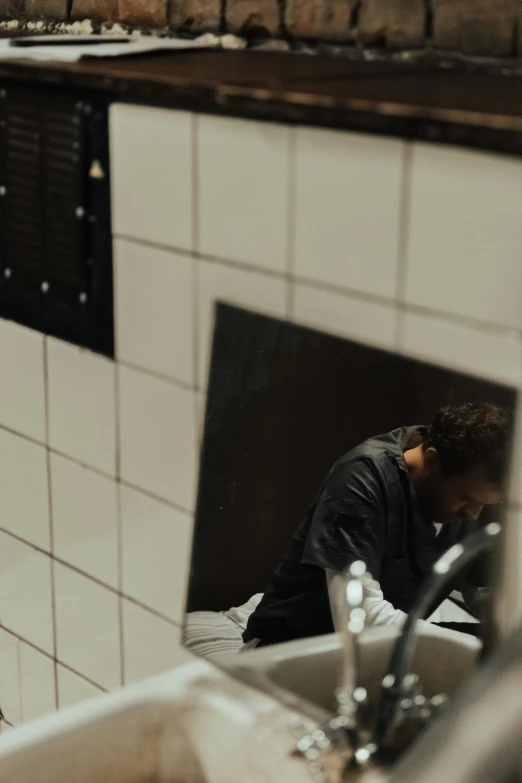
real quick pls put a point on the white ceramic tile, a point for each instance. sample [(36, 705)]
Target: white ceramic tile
[(38, 689), (156, 541), (22, 391), (347, 209), (151, 645), (24, 489), (25, 592), (82, 405), (243, 169), (347, 316), (73, 689), (465, 237), (85, 519), (87, 627), (154, 309), (493, 355), (508, 604), (251, 290), (10, 677), (157, 436), (151, 174)]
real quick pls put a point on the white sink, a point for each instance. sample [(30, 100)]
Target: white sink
[(193, 725), (304, 674)]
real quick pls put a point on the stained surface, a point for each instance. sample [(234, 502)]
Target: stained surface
[(417, 101)]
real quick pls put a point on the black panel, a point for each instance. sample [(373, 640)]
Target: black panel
[(284, 404), (55, 235)]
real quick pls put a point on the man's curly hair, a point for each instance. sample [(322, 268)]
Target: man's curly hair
[(469, 435)]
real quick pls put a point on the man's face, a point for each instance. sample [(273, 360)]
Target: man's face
[(458, 497)]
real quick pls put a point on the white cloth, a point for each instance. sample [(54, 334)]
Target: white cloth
[(218, 635), (57, 51), (240, 614)]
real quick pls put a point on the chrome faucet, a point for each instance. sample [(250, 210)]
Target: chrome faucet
[(348, 594), (341, 733), (401, 691)]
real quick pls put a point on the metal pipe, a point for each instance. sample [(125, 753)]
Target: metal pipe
[(478, 738), (443, 571)]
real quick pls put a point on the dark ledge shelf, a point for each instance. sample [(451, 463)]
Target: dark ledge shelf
[(480, 110)]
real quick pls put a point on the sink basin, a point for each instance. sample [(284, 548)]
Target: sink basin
[(304, 674), (193, 725)]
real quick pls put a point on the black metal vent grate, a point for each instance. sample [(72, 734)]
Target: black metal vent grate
[(55, 253)]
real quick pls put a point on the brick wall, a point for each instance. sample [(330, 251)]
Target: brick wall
[(473, 27)]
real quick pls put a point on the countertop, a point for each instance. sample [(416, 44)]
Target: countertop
[(475, 109)]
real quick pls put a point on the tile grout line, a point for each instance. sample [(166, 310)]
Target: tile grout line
[(51, 522), (158, 498), (194, 166), (462, 320), (20, 675), (158, 375), (404, 228), (195, 264), (290, 224), (90, 577), (119, 519), (98, 472), (35, 647)]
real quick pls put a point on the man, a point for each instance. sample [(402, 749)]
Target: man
[(397, 502)]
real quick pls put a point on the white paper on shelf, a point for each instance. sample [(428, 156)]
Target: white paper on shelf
[(72, 53)]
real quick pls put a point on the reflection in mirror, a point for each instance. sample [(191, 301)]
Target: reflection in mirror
[(334, 476)]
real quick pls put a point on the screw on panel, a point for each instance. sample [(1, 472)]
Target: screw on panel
[(7, 273), (3, 190), (80, 212), (45, 287), (87, 109), (3, 93), (79, 105), (83, 297)]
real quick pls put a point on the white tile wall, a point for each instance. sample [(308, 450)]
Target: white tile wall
[(152, 574), (85, 519), (82, 420), (342, 230), (465, 234), (73, 689), (151, 174), (235, 286), (22, 398), (243, 188), (25, 592), (150, 644), (87, 627), (158, 436), (348, 316), (347, 209), (24, 489), (10, 701), (154, 309), (38, 692), (489, 354)]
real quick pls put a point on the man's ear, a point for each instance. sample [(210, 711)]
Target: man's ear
[(431, 459)]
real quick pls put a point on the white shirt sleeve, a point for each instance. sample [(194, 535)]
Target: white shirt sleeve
[(378, 610)]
